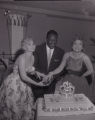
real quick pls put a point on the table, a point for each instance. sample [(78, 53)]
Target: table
[(42, 115)]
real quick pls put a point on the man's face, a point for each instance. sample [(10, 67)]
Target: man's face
[(51, 41)]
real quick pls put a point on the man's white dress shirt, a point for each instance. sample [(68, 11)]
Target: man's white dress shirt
[(49, 54)]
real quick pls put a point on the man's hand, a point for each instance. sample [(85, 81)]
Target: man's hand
[(48, 79)]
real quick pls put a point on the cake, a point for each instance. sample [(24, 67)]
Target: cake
[(68, 103)]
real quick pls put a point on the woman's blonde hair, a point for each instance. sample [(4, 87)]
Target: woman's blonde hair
[(24, 42)]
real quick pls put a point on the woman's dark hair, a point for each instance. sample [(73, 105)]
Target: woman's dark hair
[(52, 32), (18, 53), (78, 38)]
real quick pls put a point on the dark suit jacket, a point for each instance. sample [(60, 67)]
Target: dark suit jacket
[(41, 63)]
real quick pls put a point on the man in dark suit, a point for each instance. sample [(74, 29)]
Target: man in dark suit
[(47, 58)]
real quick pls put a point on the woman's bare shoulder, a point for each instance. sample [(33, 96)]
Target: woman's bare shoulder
[(85, 56), (67, 54)]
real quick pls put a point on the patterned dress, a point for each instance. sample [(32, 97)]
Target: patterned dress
[(16, 99), (75, 69)]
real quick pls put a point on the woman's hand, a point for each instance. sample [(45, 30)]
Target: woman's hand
[(39, 75), (50, 76), (48, 79)]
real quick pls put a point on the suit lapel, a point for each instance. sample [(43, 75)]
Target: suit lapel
[(45, 56)]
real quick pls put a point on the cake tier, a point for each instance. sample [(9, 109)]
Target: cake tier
[(78, 102)]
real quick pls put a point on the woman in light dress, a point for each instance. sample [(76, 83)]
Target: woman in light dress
[(16, 96), (74, 62)]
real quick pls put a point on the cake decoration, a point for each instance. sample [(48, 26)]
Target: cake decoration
[(67, 89)]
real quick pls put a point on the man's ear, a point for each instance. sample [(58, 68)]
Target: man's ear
[(47, 41)]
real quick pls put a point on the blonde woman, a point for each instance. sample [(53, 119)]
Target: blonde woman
[(16, 96)]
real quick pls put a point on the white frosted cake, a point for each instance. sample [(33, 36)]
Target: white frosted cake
[(67, 103), (79, 102)]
